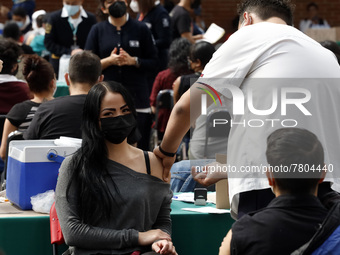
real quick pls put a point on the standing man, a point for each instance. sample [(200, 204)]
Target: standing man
[(67, 30), (181, 22), (266, 60)]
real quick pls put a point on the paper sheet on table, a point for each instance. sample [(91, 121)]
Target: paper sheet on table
[(189, 197), (207, 209), (213, 34)]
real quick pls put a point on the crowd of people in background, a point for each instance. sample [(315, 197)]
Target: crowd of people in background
[(120, 59)]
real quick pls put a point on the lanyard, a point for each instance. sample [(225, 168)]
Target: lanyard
[(74, 30)]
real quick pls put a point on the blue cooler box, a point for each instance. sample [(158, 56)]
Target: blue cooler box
[(30, 172)]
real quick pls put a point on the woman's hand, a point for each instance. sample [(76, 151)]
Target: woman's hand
[(126, 59), (164, 247), (148, 237)]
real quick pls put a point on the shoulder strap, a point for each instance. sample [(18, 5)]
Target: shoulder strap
[(147, 162)]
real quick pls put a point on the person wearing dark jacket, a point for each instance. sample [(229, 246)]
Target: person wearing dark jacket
[(67, 30), (127, 53)]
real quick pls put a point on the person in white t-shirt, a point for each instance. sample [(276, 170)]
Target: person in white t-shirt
[(272, 76)]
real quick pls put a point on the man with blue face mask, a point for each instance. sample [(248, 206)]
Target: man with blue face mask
[(67, 30)]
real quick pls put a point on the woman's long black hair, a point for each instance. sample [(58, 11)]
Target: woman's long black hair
[(89, 164)]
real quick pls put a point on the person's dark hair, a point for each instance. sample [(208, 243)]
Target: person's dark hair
[(85, 67), (38, 73), (202, 51), (146, 5), (12, 30), (295, 147), (19, 11), (333, 47), (89, 164), (178, 56), (41, 19), (266, 9), (312, 4), (9, 54)]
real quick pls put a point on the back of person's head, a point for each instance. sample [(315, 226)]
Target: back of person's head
[(300, 151), (266, 9), (12, 30), (20, 11), (178, 56), (85, 67), (9, 54), (333, 47), (41, 19), (38, 73), (202, 51)]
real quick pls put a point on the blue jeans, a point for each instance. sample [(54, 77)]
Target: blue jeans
[(181, 178)]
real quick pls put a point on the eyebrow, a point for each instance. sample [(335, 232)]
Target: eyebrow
[(113, 109)]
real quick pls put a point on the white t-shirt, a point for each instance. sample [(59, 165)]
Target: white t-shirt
[(267, 58)]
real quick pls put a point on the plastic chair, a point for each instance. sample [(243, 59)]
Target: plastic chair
[(220, 130), (164, 100), (57, 237)]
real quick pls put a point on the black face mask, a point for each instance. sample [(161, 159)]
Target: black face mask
[(117, 9), (116, 129)]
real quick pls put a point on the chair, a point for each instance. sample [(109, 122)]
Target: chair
[(2, 122), (16, 135), (55, 229), (164, 100), (222, 129)]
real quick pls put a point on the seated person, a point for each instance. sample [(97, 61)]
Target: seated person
[(99, 207), (40, 77), (12, 90), (313, 20), (62, 116), (293, 217), (178, 65)]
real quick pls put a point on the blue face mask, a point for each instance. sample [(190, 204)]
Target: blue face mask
[(72, 9), (20, 24)]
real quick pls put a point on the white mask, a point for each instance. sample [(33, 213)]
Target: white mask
[(72, 9), (134, 6)]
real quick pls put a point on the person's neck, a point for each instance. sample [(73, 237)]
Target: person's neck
[(117, 152), (118, 22), (79, 89), (185, 4), (42, 97), (76, 16), (276, 20), (278, 193)]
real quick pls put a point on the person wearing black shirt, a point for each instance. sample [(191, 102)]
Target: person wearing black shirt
[(293, 217), (62, 116)]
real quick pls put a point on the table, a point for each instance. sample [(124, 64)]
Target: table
[(62, 89), (27, 232)]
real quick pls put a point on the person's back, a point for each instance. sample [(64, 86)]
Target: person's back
[(62, 116), (12, 90)]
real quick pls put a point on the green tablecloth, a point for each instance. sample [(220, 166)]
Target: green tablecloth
[(193, 233)]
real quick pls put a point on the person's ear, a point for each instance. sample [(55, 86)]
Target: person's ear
[(67, 79), (248, 20), (104, 10), (101, 78), (270, 177), (323, 173)]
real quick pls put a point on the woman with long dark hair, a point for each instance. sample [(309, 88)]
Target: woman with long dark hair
[(110, 198)]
